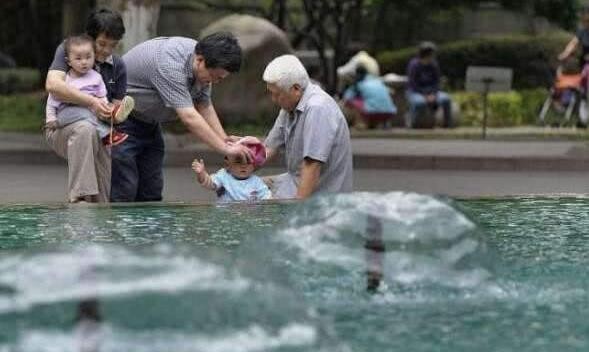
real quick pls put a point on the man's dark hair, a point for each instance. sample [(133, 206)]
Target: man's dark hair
[(426, 49), (77, 40), (107, 22), (220, 50)]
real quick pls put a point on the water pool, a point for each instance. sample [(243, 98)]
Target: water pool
[(490, 275)]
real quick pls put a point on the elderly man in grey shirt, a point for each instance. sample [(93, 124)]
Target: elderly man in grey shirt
[(170, 78), (311, 131)]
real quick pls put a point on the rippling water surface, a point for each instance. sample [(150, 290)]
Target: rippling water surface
[(359, 272)]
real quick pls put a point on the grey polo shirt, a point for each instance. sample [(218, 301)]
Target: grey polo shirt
[(317, 130), (160, 78)]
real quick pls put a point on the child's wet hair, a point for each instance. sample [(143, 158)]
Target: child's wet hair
[(77, 40)]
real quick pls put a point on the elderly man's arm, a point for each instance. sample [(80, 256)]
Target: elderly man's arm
[(207, 110), (309, 178)]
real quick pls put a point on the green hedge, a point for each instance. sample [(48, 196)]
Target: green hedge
[(22, 112), (515, 108), (19, 80), (25, 112), (533, 59)]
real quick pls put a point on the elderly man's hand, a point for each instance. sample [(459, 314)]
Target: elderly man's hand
[(250, 140)]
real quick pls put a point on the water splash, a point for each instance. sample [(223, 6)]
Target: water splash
[(412, 239), (253, 338)]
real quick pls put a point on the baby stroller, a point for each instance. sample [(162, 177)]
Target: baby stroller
[(565, 103)]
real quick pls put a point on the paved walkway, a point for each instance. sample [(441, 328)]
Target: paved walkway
[(35, 184), (31, 173), (369, 153)]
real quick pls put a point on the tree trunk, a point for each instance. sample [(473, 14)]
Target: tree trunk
[(140, 17), (75, 13), (279, 12)]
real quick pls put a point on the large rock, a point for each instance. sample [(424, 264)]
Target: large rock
[(242, 97)]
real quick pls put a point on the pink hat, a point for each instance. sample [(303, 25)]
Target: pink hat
[(258, 151)]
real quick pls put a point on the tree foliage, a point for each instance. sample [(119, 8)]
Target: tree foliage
[(560, 12)]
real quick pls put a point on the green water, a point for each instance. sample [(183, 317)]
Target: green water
[(485, 275)]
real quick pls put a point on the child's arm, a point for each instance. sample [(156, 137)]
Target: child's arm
[(50, 110), (101, 92), (202, 175)]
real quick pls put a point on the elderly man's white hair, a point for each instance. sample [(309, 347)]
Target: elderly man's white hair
[(285, 71)]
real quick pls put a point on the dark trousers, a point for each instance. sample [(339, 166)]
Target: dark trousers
[(137, 174)]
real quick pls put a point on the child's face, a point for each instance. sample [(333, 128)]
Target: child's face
[(238, 167), (81, 57)]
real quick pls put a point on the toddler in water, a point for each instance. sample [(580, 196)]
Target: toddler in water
[(79, 53), (236, 181)]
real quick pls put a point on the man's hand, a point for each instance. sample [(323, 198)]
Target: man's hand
[(101, 108), (198, 166), (232, 139), (239, 151)]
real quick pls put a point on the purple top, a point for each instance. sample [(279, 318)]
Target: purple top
[(112, 70), (91, 83), (424, 79)]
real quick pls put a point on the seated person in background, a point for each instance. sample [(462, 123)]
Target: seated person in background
[(566, 84), (362, 58), (423, 90), (370, 98), (236, 181), (79, 55)]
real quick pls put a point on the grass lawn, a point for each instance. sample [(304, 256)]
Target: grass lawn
[(22, 112)]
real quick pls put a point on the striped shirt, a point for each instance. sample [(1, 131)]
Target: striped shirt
[(160, 78)]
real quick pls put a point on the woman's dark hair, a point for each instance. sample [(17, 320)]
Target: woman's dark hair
[(77, 40), (426, 49), (220, 50), (107, 22)]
